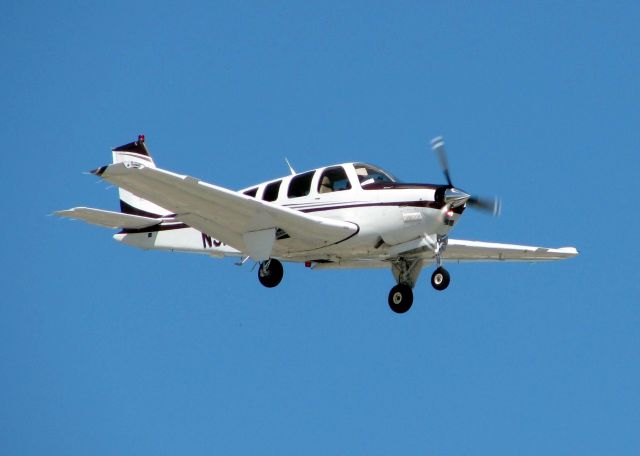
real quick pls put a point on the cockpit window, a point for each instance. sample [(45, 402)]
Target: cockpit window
[(271, 191), (333, 180), (251, 192), (300, 185), (369, 174)]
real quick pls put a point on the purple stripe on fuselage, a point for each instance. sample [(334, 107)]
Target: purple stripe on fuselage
[(429, 204)]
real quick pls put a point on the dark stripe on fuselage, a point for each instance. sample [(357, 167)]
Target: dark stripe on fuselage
[(155, 228), (316, 204), (400, 186), (335, 243), (429, 204)]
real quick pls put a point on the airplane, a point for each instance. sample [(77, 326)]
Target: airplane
[(349, 215)]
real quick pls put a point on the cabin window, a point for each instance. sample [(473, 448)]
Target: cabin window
[(271, 191), (300, 185), (368, 174), (333, 180), (251, 192)]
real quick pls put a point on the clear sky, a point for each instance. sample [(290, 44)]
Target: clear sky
[(109, 350)]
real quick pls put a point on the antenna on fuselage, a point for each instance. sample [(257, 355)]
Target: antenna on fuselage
[(293, 171)]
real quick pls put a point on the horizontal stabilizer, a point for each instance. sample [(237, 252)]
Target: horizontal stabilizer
[(108, 219)]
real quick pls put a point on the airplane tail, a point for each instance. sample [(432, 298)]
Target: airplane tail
[(137, 152)]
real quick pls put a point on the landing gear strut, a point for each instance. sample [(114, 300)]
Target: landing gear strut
[(270, 273), (406, 272), (440, 278)]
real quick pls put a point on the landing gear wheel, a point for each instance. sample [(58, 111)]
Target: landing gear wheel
[(400, 298), (270, 273), (440, 279)]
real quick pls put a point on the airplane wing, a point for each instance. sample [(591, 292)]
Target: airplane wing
[(461, 250), (240, 221), (108, 219)]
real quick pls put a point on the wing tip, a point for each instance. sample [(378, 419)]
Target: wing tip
[(65, 212), (568, 252)]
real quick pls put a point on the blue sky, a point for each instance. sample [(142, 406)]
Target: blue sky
[(109, 350)]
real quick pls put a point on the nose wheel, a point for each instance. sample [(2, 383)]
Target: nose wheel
[(400, 298), (440, 279)]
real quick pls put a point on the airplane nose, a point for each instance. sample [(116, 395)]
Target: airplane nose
[(455, 197)]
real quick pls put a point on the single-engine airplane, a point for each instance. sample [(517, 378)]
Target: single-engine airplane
[(350, 215)]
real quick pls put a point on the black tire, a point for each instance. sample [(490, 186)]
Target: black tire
[(272, 276), (440, 279), (400, 298)]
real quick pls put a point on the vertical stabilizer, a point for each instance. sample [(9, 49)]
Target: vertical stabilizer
[(137, 152)]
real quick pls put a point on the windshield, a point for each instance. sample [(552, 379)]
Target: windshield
[(369, 174)]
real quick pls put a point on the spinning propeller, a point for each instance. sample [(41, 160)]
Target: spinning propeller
[(456, 197)]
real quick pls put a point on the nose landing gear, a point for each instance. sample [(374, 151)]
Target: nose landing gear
[(440, 279)]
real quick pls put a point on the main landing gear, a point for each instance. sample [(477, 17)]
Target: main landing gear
[(270, 273), (401, 298), (406, 272)]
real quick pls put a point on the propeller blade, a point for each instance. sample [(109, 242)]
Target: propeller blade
[(437, 144), (454, 196), (490, 205)]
